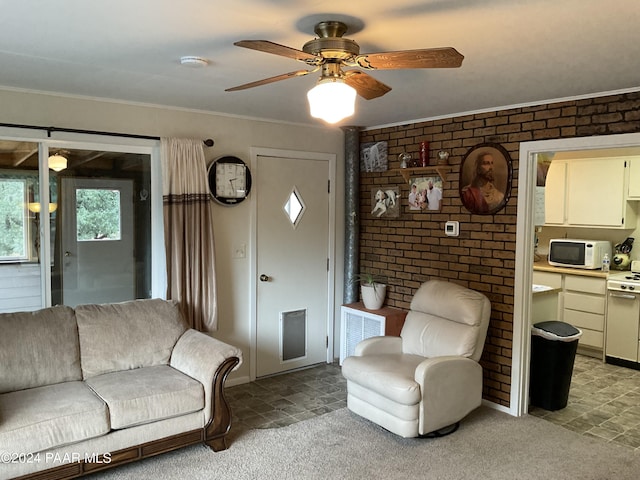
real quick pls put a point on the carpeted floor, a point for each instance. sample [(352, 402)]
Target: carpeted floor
[(341, 445)]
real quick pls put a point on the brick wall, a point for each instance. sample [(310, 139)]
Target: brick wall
[(413, 248)]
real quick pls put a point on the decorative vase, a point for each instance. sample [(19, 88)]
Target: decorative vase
[(373, 295)]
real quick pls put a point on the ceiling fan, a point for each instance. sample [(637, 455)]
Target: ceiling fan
[(330, 52)]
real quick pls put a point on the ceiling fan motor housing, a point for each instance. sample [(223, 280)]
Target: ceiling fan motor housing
[(333, 47), (330, 43)]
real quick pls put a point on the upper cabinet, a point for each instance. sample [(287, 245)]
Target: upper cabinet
[(590, 192), (634, 178), (554, 194)]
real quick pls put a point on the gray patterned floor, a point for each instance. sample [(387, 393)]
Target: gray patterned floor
[(604, 400), (289, 398)]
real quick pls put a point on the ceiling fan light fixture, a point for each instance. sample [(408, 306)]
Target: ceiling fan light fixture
[(57, 162), (331, 100)]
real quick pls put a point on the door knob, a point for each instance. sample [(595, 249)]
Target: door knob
[(264, 278), (67, 254)]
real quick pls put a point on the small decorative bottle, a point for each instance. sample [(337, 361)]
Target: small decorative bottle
[(606, 262), (424, 154)]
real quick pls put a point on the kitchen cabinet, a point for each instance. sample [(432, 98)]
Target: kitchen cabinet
[(589, 192), (581, 303), (554, 194), (544, 303), (634, 179), (584, 307)]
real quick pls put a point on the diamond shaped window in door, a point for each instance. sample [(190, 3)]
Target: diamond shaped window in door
[(294, 207)]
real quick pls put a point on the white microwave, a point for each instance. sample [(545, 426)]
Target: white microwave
[(567, 252)]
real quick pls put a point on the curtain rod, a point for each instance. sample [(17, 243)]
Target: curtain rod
[(208, 142)]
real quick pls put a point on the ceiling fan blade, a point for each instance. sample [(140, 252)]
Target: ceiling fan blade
[(445, 57), (276, 49), (265, 81), (366, 86)]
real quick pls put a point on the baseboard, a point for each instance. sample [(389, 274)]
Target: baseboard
[(496, 406), (232, 382)]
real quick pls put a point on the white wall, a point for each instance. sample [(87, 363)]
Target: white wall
[(233, 136)]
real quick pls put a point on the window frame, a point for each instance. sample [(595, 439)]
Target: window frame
[(26, 224)]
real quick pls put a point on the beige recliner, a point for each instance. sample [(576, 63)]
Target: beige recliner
[(425, 381)]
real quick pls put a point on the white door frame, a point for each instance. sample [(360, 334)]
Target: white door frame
[(519, 401), (256, 152)]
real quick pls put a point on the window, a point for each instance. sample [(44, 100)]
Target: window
[(98, 214), (13, 219)]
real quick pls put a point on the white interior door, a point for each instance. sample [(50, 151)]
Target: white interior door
[(97, 241), (292, 256)]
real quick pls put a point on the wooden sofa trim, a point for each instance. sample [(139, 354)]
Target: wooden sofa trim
[(213, 435)]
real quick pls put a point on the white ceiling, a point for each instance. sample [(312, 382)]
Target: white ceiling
[(516, 52)]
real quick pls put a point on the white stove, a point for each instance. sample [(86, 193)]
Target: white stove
[(622, 345), (624, 281)]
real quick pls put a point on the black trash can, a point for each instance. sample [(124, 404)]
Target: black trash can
[(553, 352)]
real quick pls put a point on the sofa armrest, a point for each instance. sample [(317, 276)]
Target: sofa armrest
[(451, 388), (209, 361), (378, 346)]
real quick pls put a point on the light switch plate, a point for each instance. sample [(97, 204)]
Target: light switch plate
[(452, 228)]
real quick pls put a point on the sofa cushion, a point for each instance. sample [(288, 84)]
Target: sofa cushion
[(38, 348), (40, 418), (128, 335), (147, 394)]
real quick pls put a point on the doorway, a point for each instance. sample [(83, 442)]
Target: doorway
[(525, 249), (293, 267), (97, 241)]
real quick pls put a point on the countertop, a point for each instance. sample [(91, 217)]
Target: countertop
[(543, 266), (539, 290)]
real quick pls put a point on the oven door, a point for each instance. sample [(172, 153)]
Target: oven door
[(623, 318)]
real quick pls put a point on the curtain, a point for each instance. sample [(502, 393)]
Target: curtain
[(188, 232)]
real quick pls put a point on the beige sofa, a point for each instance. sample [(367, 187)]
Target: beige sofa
[(101, 385)]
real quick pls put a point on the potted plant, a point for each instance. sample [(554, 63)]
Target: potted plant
[(372, 289)]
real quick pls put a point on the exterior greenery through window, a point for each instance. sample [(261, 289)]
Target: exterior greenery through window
[(98, 214), (13, 218)]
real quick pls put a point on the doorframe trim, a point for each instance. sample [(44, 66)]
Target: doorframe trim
[(331, 158), (521, 354)]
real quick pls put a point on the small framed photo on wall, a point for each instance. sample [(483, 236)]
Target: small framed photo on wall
[(385, 202), (485, 179), (373, 157), (425, 193)]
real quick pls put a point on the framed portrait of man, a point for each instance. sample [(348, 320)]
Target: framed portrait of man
[(485, 179)]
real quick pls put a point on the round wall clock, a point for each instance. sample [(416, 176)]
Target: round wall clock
[(229, 180)]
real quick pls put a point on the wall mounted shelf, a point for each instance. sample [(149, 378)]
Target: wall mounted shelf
[(409, 172)]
